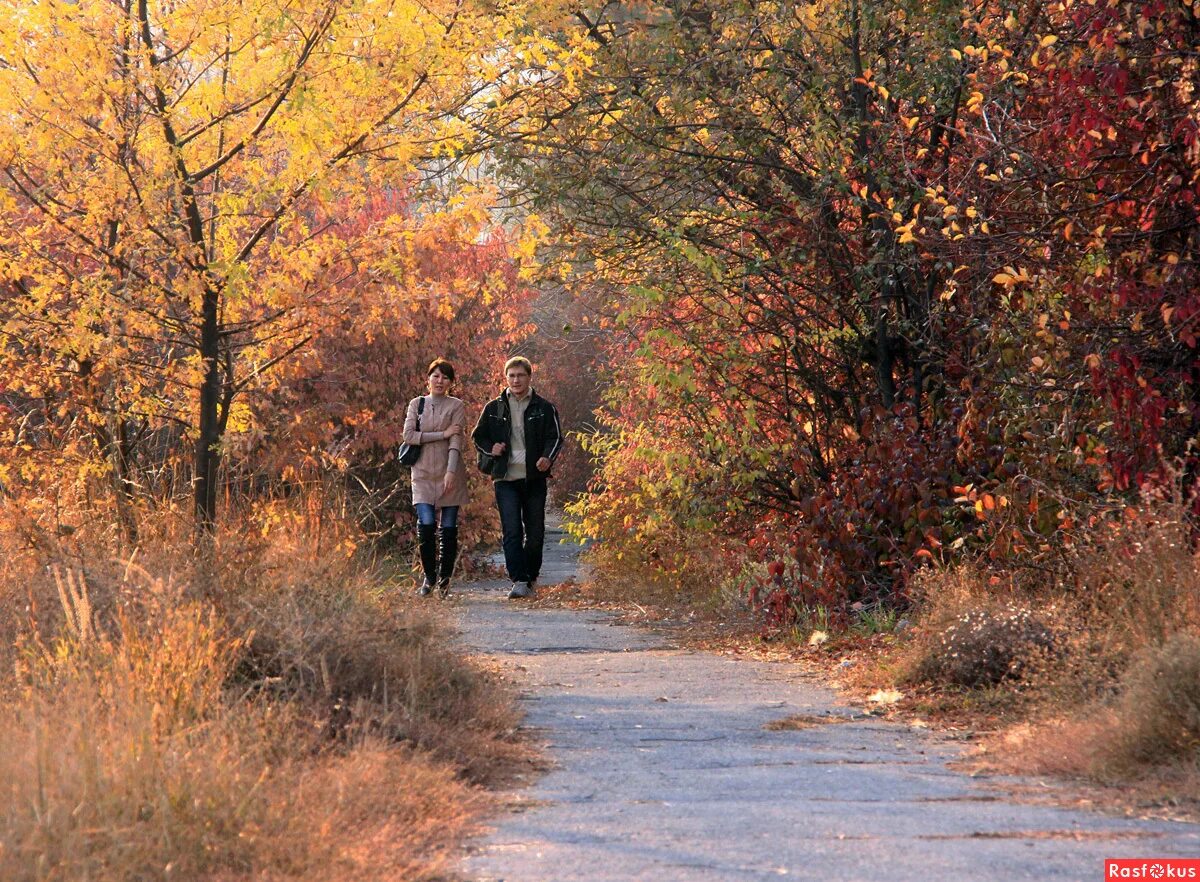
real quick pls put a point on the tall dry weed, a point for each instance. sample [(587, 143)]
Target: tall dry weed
[(1139, 584), (109, 744), (1145, 733), (324, 632), (1158, 712)]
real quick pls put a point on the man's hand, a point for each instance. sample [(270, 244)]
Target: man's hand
[(543, 464), (498, 448)]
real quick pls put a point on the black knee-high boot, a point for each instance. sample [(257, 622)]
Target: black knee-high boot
[(428, 536), (449, 556)]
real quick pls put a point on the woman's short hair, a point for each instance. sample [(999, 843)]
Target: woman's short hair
[(518, 361), (440, 364)]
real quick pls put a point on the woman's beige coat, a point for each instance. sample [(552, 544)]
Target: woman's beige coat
[(430, 470)]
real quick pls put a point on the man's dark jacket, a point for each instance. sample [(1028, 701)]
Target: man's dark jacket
[(543, 435)]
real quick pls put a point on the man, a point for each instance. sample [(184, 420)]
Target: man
[(518, 438)]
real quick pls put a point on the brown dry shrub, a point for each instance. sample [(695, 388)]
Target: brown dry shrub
[(985, 647), (1119, 700), (1147, 733), (972, 633), (373, 814), (1159, 708), (270, 711), (1134, 588)]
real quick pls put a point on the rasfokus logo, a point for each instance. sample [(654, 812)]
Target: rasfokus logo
[(1152, 868)]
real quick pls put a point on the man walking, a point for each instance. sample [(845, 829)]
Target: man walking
[(518, 437)]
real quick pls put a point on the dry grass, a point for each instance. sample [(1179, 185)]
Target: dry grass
[(1125, 705), (798, 722), (1118, 700), (273, 713), (1145, 735), (1160, 707), (368, 662), (1140, 584)]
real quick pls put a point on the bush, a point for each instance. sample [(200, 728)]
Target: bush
[(652, 538), (985, 647), (1159, 707)]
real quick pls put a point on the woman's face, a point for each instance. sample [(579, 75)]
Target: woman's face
[(439, 383)]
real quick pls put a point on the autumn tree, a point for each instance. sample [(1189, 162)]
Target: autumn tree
[(167, 175), (336, 410), (895, 282), (709, 169)]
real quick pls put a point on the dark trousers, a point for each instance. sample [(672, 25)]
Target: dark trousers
[(522, 507)]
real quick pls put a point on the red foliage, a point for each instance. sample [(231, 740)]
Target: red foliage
[(1044, 335), (342, 402)]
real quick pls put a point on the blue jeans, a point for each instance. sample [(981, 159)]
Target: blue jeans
[(522, 507), (425, 515)]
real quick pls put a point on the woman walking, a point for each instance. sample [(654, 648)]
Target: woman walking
[(437, 422)]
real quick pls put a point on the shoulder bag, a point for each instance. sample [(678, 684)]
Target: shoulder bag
[(410, 453)]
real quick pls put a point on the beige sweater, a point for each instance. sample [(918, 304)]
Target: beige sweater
[(430, 470)]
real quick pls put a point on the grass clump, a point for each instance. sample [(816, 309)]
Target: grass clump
[(1127, 707), (364, 662), (1144, 735)]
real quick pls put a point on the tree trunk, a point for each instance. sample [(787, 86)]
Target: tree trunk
[(208, 453), (121, 454)]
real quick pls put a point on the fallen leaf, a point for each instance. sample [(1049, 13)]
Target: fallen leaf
[(885, 696)]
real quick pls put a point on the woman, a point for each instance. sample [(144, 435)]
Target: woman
[(439, 477)]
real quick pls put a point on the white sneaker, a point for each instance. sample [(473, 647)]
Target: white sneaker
[(520, 589)]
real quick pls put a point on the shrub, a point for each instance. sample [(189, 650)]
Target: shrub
[(652, 537), (985, 647), (1159, 707)]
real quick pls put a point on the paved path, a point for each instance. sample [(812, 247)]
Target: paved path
[(663, 771)]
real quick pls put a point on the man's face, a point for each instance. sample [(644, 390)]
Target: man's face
[(518, 381)]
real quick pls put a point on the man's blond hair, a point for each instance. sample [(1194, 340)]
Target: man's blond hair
[(518, 361)]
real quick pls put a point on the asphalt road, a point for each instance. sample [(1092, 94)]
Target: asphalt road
[(663, 769)]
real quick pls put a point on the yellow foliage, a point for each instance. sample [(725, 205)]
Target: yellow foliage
[(192, 172)]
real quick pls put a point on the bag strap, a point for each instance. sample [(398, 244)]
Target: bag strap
[(420, 410)]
